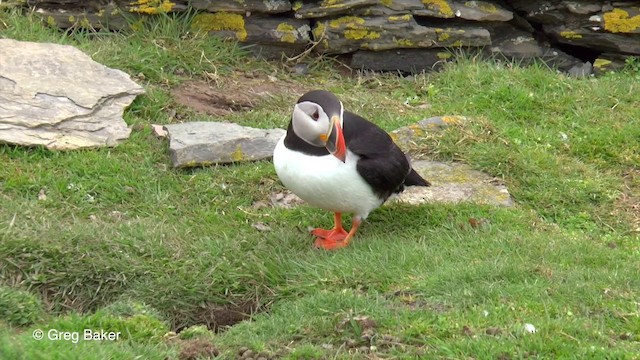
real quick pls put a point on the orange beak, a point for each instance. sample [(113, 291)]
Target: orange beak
[(334, 140)]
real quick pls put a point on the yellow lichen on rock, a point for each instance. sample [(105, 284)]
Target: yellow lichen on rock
[(318, 31), (399, 18), (286, 33), (386, 3), (354, 28), (351, 22), (404, 42), (417, 130), (359, 34), (220, 21), (84, 23), (443, 55), (51, 21), (601, 63), (296, 5), (457, 43), (442, 35), (151, 6), (442, 6), (484, 6), (335, 4), (452, 119), (570, 35), (619, 21), (238, 154)]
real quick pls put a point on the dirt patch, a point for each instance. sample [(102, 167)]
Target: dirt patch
[(197, 349), (414, 301), (220, 317), (238, 92), (628, 203), (284, 199)]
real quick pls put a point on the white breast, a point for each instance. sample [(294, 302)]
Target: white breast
[(325, 181)]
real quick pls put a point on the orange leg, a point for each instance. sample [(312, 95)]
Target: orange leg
[(337, 242), (337, 233)]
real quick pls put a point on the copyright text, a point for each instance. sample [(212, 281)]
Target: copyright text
[(75, 336)]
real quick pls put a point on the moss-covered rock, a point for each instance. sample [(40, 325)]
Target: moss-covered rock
[(622, 20), (308, 9), (609, 62), (351, 33), (595, 39), (274, 28), (110, 18), (151, 7), (221, 23)]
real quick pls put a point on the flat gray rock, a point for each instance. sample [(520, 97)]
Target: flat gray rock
[(350, 33), (451, 183), (405, 60), (454, 183), (206, 143), (57, 96), (261, 6)]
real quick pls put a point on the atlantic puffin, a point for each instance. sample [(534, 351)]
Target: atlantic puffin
[(340, 162)]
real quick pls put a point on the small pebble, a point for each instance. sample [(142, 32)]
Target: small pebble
[(301, 69), (248, 354), (530, 328)]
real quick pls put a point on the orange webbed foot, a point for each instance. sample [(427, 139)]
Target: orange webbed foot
[(337, 237), (329, 243), (337, 234)]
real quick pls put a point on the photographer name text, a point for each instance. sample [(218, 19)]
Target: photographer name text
[(76, 336)]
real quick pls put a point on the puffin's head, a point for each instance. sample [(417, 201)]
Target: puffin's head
[(317, 119)]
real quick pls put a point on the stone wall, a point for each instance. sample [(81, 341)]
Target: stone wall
[(405, 35)]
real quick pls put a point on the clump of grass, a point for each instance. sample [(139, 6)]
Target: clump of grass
[(140, 326), (561, 154), (19, 307)]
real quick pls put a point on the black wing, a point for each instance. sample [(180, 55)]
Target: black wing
[(382, 163)]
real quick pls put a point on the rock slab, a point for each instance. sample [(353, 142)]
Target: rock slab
[(451, 183), (206, 143), (58, 97), (455, 183)]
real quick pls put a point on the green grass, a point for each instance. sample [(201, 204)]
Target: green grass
[(120, 225)]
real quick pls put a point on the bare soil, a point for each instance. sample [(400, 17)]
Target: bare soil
[(239, 92)]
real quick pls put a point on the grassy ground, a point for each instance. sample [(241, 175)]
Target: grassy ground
[(125, 243)]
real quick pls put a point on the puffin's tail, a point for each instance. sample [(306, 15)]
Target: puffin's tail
[(414, 179)]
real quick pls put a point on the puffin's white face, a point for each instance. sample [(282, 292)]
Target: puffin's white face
[(318, 119), (311, 123)]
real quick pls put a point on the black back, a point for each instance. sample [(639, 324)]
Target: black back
[(382, 163)]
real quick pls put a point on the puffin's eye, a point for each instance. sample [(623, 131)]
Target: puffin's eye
[(315, 115)]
